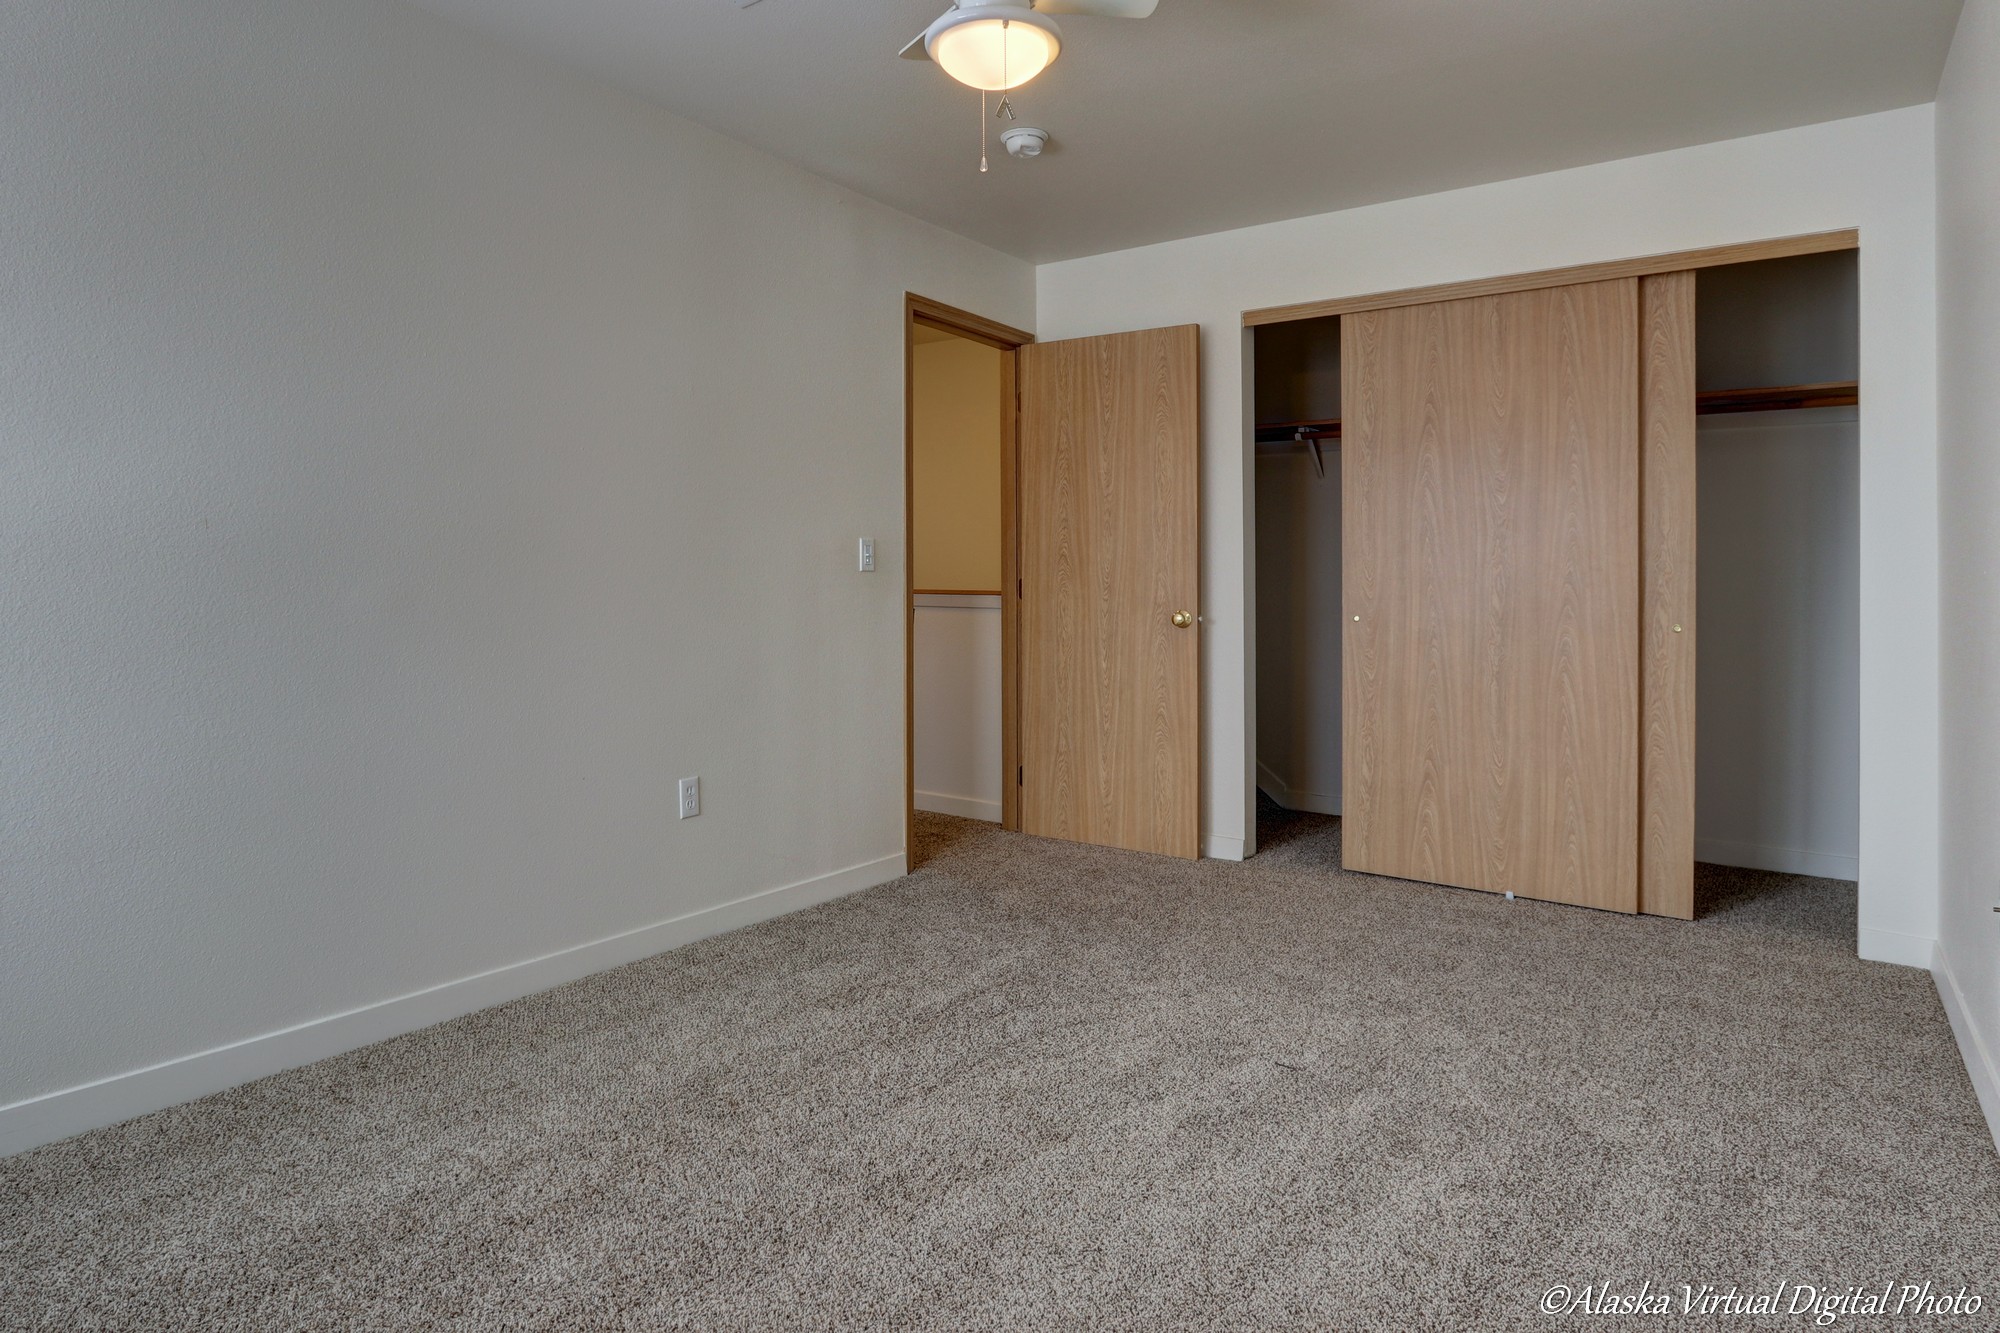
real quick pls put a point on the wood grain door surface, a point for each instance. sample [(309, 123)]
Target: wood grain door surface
[(1490, 588), (1667, 594), (1109, 714)]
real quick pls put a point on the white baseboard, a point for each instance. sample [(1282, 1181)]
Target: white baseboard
[(58, 1115), (966, 807), (1972, 1044), (1292, 798), (1221, 847), (1784, 860), (1887, 946)]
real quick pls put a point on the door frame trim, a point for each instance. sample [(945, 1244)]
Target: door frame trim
[(1743, 252), (921, 311)]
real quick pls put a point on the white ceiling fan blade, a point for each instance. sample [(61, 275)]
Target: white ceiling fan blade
[(1105, 9), (915, 50)]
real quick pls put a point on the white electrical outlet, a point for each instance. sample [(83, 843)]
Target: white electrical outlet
[(690, 797), (867, 555)]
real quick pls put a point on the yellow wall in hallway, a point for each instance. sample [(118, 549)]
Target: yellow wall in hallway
[(955, 462)]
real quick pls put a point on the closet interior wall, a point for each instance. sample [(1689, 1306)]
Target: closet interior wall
[(1778, 570)]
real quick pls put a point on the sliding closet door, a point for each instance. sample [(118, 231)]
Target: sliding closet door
[(1490, 549), (1667, 562), (1110, 645)]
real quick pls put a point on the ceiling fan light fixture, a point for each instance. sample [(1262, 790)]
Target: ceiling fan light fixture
[(994, 46)]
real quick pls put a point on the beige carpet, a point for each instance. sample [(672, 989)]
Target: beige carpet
[(1037, 1086)]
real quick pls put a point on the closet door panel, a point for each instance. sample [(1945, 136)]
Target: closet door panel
[(1667, 559), (1490, 476)]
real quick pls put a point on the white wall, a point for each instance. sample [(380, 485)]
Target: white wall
[(1298, 627), (1872, 172), (416, 458), (1968, 141), (1777, 691), (956, 705)]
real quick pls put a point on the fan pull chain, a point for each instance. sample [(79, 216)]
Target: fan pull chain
[(1006, 106), (1006, 98)]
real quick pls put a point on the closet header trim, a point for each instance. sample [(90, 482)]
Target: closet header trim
[(1778, 248)]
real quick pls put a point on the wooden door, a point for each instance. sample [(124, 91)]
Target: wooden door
[(1490, 586), (1110, 737), (1666, 594)]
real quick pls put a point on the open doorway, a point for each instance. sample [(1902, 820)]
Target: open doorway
[(1099, 452), (962, 583)]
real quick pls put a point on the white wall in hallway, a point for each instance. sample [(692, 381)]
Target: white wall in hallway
[(957, 705), (1872, 172), (417, 458)]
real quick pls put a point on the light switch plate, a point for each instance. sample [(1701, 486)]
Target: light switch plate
[(867, 555)]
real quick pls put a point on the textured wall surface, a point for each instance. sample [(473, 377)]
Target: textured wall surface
[(1968, 138), (404, 484)]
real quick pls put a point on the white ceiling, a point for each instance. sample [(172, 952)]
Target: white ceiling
[(1222, 113)]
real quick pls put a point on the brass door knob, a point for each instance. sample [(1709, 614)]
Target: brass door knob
[(1182, 620)]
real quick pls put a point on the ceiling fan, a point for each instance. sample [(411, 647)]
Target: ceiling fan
[(994, 45)]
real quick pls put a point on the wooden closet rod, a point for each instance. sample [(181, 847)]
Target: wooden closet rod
[(1784, 397), (1273, 432)]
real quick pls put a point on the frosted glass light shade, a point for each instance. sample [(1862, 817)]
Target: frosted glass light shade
[(994, 53)]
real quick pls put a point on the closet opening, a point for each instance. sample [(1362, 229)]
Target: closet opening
[(1773, 629), (1296, 386), (961, 594), (1778, 569)]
